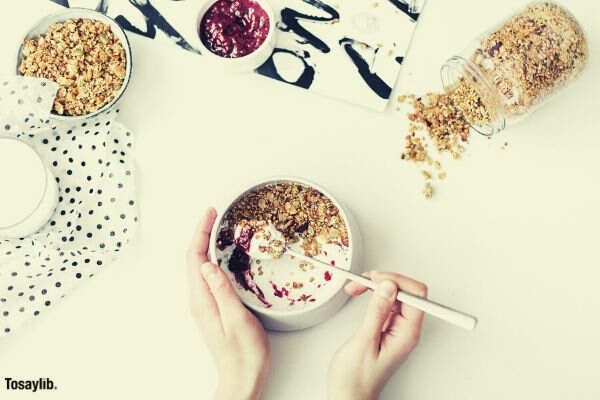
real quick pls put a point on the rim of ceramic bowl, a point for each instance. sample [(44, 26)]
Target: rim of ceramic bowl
[(239, 61), (304, 182), (45, 191), (74, 13)]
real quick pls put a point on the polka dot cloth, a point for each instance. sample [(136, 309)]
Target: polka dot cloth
[(96, 216)]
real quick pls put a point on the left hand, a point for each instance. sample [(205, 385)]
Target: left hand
[(234, 336)]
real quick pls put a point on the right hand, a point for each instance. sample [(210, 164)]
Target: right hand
[(389, 332)]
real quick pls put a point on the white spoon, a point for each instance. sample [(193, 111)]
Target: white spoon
[(268, 243)]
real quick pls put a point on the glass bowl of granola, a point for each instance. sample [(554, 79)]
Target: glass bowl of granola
[(86, 53), (284, 292)]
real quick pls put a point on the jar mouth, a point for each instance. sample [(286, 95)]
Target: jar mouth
[(457, 67)]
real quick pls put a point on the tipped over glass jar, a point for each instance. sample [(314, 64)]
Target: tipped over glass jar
[(519, 64)]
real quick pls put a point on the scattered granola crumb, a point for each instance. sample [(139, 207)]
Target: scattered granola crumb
[(442, 176), (414, 149), (428, 190), (426, 174)]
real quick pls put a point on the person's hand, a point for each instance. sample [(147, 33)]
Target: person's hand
[(389, 332), (234, 336)]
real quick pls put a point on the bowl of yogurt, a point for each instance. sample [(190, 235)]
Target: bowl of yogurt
[(237, 35), (287, 293)]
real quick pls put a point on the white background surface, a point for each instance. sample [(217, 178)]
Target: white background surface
[(511, 236)]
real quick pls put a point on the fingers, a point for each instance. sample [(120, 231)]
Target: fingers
[(380, 306), (355, 289), (198, 251), (203, 305), (407, 285), (231, 309)]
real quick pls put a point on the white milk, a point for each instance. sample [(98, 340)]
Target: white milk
[(28, 190)]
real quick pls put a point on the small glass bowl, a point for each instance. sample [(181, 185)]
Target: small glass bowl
[(41, 27)]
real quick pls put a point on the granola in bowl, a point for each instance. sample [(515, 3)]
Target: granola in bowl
[(309, 222), (85, 57)]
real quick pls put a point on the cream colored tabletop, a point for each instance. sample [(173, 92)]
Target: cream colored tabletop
[(511, 236)]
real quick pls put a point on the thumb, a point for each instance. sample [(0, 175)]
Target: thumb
[(379, 308)]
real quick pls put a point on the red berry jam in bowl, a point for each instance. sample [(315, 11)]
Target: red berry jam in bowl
[(234, 28)]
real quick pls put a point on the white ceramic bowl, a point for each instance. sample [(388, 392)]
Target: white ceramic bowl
[(289, 320), (250, 61), (41, 27)]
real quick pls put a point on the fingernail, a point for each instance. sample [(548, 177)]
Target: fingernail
[(209, 270), (387, 290)]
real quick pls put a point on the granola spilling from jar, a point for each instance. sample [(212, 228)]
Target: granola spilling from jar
[(84, 58), (532, 55), (503, 76), (255, 232), (445, 118)]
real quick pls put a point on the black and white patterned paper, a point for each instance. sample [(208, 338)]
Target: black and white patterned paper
[(96, 216), (351, 49)]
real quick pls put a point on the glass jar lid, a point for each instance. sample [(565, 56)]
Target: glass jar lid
[(23, 180)]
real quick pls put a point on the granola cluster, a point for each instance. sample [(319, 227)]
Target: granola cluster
[(532, 54), (84, 57), (298, 212)]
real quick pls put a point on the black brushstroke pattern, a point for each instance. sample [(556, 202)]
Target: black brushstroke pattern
[(399, 59), (153, 17), (402, 5), (290, 21), (102, 6), (154, 20), (270, 69), (373, 80)]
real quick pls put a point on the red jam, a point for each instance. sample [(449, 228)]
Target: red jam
[(279, 292), (234, 28)]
